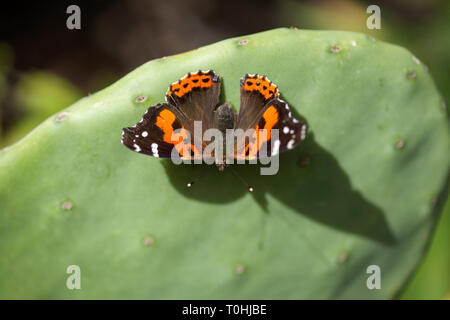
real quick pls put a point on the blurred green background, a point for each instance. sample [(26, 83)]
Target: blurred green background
[(44, 67)]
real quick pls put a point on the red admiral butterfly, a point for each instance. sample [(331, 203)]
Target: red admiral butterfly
[(195, 98)]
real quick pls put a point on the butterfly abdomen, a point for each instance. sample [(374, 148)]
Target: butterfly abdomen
[(224, 118)]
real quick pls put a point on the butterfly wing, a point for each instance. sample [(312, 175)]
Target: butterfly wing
[(171, 125), (159, 131), (256, 91), (261, 109), (195, 96)]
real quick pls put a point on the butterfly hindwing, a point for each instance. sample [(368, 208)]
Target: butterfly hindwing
[(195, 96), (256, 91)]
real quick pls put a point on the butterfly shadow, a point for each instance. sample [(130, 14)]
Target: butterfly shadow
[(310, 181)]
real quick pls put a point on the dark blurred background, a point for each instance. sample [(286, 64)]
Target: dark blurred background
[(44, 67)]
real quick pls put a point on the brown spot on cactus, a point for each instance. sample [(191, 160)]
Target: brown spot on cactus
[(335, 48), (239, 269), (66, 205), (141, 99), (148, 241), (61, 116), (400, 144)]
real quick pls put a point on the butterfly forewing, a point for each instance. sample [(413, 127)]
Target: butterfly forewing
[(159, 131)]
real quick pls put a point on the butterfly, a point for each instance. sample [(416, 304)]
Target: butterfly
[(167, 129)]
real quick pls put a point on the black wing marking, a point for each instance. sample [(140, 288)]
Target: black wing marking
[(146, 137)]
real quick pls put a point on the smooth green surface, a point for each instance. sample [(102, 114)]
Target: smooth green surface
[(308, 232), (432, 279)]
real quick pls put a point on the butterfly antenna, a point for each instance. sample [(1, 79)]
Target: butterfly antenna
[(189, 184), (249, 187)]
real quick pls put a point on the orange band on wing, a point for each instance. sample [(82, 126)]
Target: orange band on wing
[(165, 121), (186, 150), (271, 118), (199, 79), (261, 84)]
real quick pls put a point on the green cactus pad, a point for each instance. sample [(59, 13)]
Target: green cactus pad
[(365, 187)]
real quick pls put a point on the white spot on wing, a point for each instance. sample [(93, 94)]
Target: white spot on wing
[(290, 144), (155, 150), (286, 130), (137, 148), (303, 133), (144, 134)]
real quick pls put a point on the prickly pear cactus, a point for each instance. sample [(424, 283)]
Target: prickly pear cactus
[(365, 188)]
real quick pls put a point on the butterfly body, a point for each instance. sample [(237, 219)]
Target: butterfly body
[(225, 117), (192, 119)]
